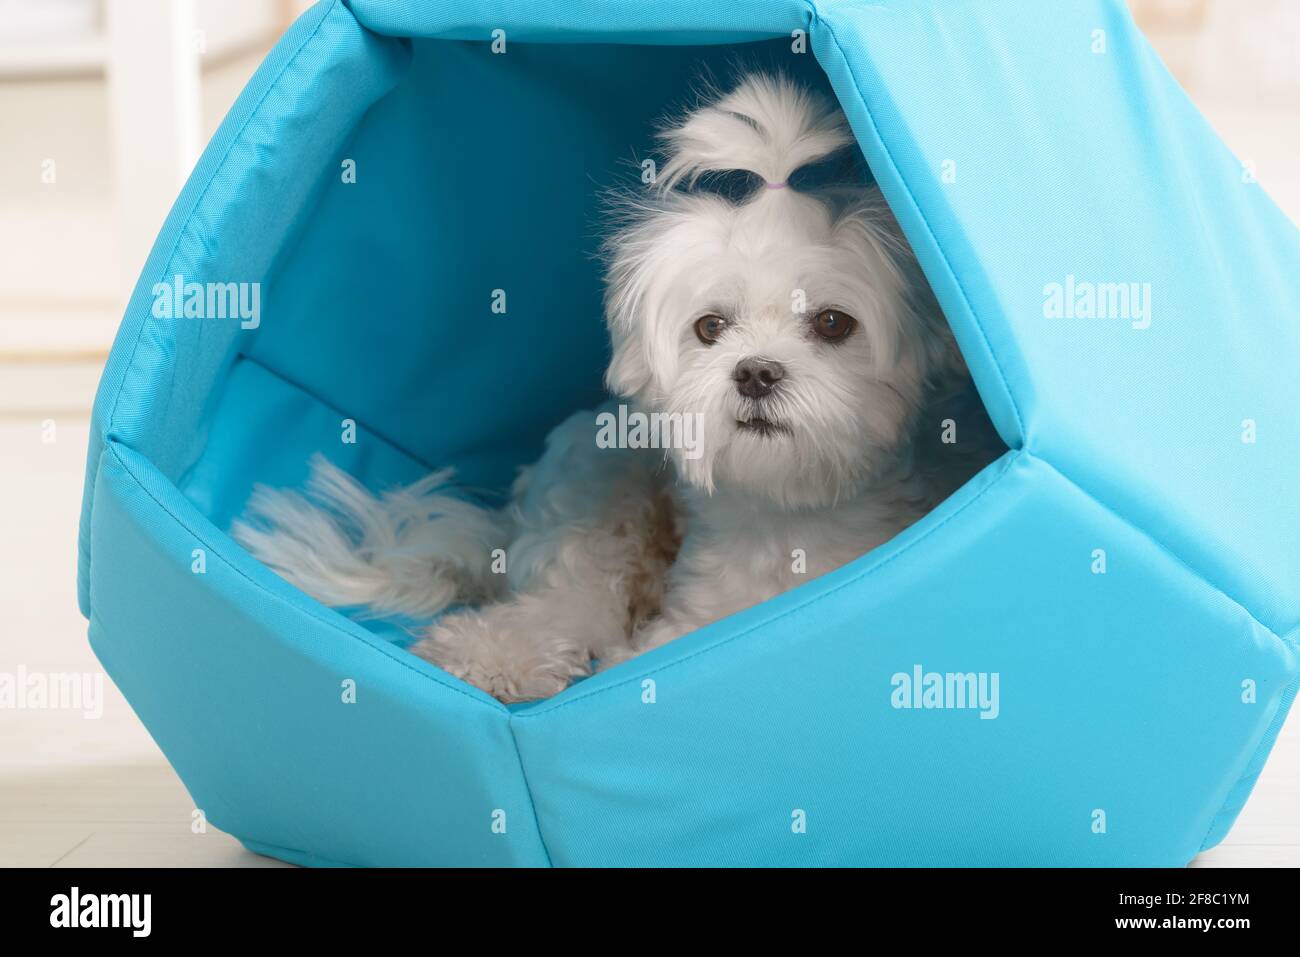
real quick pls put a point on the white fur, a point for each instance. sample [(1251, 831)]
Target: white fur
[(612, 552), (412, 552)]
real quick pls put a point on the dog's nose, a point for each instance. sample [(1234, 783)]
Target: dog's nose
[(755, 377)]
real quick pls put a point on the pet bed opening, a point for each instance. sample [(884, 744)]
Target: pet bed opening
[(438, 300)]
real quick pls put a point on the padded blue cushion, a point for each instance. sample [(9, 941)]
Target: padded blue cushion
[(1020, 144)]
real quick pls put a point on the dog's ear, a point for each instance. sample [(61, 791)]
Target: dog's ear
[(925, 331), (628, 372), (639, 264)]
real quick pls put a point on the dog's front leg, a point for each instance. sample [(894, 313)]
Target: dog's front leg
[(530, 646), (583, 605), (534, 643), (594, 539), (652, 635)]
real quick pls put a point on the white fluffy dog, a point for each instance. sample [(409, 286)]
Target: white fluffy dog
[(792, 327)]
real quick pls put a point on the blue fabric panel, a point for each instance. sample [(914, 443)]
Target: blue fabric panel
[(239, 679), (1236, 799), (266, 430), (1070, 162), (228, 225), (606, 21), (1119, 692)]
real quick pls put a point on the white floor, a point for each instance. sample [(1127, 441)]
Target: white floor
[(96, 792), (74, 791)]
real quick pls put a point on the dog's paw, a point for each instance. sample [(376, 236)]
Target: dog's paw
[(658, 632), (509, 664), (616, 656)]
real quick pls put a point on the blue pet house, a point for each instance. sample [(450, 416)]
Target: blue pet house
[(1128, 573)]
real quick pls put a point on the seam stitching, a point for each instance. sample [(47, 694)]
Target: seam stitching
[(302, 389), (1165, 550), (934, 240), (528, 791), (183, 227)]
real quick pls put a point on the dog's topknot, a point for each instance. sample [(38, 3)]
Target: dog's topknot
[(768, 125)]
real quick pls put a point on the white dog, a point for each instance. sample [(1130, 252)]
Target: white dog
[(793, 328)]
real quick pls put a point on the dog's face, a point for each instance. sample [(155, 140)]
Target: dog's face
[(794, 326)]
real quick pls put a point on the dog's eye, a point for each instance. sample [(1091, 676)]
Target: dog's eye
[(709, 329), (833, 325)]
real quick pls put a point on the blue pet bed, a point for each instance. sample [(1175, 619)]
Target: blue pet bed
[(1128, 573)]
